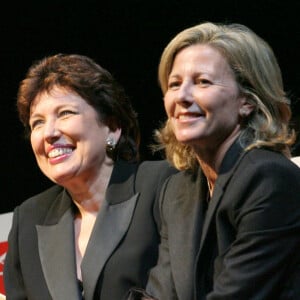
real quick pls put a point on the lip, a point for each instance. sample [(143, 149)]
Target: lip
[(59, 159)]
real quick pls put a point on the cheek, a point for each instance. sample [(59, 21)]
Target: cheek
[(167, 105), (35, 142)]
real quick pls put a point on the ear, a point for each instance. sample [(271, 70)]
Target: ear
[(246, 108)]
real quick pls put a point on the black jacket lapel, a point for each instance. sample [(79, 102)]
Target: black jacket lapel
[(111, 225), (56, 249)]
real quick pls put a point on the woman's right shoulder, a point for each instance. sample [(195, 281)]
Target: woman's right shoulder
[(157, 164), (157, 167), (38, 208), (42, 200)]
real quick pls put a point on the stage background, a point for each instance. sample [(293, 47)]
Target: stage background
[(127, 38)]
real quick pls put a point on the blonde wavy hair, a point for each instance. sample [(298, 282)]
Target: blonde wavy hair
[(258, 76)]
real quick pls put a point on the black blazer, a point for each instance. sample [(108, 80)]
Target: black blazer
[(244, 244), (40, 263)]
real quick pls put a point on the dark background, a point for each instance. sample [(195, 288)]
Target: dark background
[(127, 38)]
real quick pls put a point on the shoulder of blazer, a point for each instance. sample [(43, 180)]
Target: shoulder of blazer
[(258, 164), (184, 180), (152, 174), (264, 158), (150, 178), (43, 197), (39, 205)]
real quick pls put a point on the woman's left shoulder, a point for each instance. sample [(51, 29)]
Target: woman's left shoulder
[(270, 161)]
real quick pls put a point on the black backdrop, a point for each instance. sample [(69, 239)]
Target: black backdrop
[(127, 38)]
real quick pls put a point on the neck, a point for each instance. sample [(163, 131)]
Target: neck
[(89, 193), (210, 159)]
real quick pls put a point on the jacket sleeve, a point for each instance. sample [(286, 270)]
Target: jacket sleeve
[(13, 280), (160, 283), (152, 175), (262, 260)]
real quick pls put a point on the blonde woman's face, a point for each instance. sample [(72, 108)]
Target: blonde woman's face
[(202, 101)]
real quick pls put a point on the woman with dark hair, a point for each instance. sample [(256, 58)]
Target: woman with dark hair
[(93, 234)]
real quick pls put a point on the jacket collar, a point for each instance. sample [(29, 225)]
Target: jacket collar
[(121, 182), (229, 164)]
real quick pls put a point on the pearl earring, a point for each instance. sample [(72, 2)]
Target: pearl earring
[(110, 144), (243, 113)]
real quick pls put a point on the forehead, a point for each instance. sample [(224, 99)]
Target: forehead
[(56, 97), (200, 55)]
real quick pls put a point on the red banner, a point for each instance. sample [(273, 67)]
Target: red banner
[(3, 250), (5, 224)]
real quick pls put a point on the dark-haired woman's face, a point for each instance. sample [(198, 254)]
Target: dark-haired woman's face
[(67, 138)]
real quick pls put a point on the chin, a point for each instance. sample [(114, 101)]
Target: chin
[(185, 139), (61, 179)]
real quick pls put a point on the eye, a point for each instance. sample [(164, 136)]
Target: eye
[(35, 123), (65, 113), (173, 84), (203, 81)]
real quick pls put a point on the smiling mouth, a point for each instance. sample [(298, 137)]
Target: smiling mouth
[(59, 151), (189, 116)]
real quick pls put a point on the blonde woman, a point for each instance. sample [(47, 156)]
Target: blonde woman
[(231, 217)]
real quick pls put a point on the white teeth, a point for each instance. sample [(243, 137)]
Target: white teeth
[(59, 151), (184, 117)]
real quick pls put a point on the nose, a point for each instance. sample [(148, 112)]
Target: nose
[(184, 94), (51, 131)]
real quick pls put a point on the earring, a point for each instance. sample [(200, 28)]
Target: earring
[(243, 113), (110, 144)]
